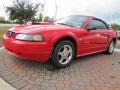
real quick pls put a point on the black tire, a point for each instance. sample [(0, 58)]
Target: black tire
[(110, 52), (54, 57)]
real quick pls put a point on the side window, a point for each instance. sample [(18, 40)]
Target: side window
[(98, 24)]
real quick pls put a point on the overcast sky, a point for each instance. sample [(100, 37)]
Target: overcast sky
[(108, 10)]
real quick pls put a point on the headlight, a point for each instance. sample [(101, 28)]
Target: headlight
[(29, 37)]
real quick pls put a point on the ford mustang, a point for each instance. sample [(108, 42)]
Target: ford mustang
[(60, 42)]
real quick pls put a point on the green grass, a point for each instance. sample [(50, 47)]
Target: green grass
[(3, 30)]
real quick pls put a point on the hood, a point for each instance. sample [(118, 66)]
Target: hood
[(39, 28)]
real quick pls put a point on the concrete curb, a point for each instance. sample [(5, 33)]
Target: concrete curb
[(1, 48), (5, 86), (117, 50)]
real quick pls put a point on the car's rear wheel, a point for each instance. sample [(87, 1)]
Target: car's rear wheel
[(111, 47), (63, 54)]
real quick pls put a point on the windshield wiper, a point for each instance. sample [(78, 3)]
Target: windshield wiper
[(65, 24)]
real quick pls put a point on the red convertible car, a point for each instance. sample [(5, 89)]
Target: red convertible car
[(60, 42)]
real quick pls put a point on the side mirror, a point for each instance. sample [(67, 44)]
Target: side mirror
[(91, 28)]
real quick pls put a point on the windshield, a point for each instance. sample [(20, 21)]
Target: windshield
[(73, 21)]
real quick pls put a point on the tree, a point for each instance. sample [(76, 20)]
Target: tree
[(22, 10), (115, 26), (39, 19), (46, 18)]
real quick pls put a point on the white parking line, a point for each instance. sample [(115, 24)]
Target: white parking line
[(117, 50), (1, 48)]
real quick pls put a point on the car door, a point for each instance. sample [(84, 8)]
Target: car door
[(87, 39), (100, 33)]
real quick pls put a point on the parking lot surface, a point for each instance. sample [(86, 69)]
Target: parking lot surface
[(94, 72)]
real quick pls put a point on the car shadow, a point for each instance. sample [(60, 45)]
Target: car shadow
[(47, 65)]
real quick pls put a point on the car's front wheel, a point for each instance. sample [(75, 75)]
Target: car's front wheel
[(63, 54)]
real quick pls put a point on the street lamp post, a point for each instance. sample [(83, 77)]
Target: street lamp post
[(44, 3), (55, 10), (111, 17)]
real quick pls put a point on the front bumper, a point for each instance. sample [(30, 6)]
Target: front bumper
[(37, 51)]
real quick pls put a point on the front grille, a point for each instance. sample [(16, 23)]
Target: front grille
[(10, 34)]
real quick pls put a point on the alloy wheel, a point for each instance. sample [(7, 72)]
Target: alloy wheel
[(65, 54)]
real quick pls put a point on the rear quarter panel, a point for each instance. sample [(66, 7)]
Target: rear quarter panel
[(112, 34)]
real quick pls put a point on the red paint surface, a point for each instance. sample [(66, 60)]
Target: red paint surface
[(87, 41)]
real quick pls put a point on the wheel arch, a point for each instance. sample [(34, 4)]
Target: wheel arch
[(115, 40), (70, 38)]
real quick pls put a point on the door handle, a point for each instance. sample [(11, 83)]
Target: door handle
[(106, 34)]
